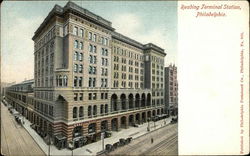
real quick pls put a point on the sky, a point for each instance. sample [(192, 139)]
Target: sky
[(145, 22)]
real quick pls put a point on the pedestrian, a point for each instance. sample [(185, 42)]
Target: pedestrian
[(152, 140)]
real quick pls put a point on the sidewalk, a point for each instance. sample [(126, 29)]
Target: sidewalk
[(93, 148)]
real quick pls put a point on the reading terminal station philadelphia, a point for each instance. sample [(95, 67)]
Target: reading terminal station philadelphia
[(90, 79)]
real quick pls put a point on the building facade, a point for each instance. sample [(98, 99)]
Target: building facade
[(171, 90), (21, 97), (89, 79)]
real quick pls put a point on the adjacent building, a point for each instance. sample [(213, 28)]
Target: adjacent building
[(171, 90), (89, 79)]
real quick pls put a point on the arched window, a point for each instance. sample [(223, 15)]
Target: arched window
[(89, 111), (74, 112), (75, 68), (81, 46), (80, 68), (81, 111), (102, 109), (76, 56), (76, 44), (60, 80), (95, 110), (65, 80), (80, 56)]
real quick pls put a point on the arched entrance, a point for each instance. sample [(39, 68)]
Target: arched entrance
[(137, 118), (143, 117), (149, 115), (114, 124), (158, 111), (104, 126), (131, 120), (123, 122), (153, 113), (92, 132)]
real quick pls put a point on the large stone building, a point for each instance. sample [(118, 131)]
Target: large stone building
[(90, 79), (171, 90)]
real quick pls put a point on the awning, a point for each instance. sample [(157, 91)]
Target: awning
[(60, 137)]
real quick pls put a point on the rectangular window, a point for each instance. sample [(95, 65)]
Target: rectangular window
[(80, 81), (94, 96), (94, 37), (75, 31), (90, 96), (75, 96), (75, 81), (81, 97), (90, 82), (106, 41), (94, 82), (90, 35), (81, 32)]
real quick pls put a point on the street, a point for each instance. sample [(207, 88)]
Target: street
[(165, 142), (15, 140)]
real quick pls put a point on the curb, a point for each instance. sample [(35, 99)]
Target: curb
[(35, 140)]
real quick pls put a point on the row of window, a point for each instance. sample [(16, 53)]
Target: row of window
[(78, 56), (92, 110), (124, 61), (44, 82), (91, 36), (158, 67), (45, 39), (130, 84), (129, 54), (61, 81), (78, 68), (157, 72), (157, 60), (157, 79), (157, 93), (157, 102), (91, 96), (78, 45), (44, 108), (41, 72), (78, 81), (157, 85)]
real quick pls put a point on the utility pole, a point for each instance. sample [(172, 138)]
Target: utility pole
[(102, 137), (49, 146)]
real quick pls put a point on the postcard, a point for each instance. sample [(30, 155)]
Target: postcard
[(124, 77)]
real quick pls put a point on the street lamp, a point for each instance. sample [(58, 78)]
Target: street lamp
[(50, 141), (71, 146), (102, 138)]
